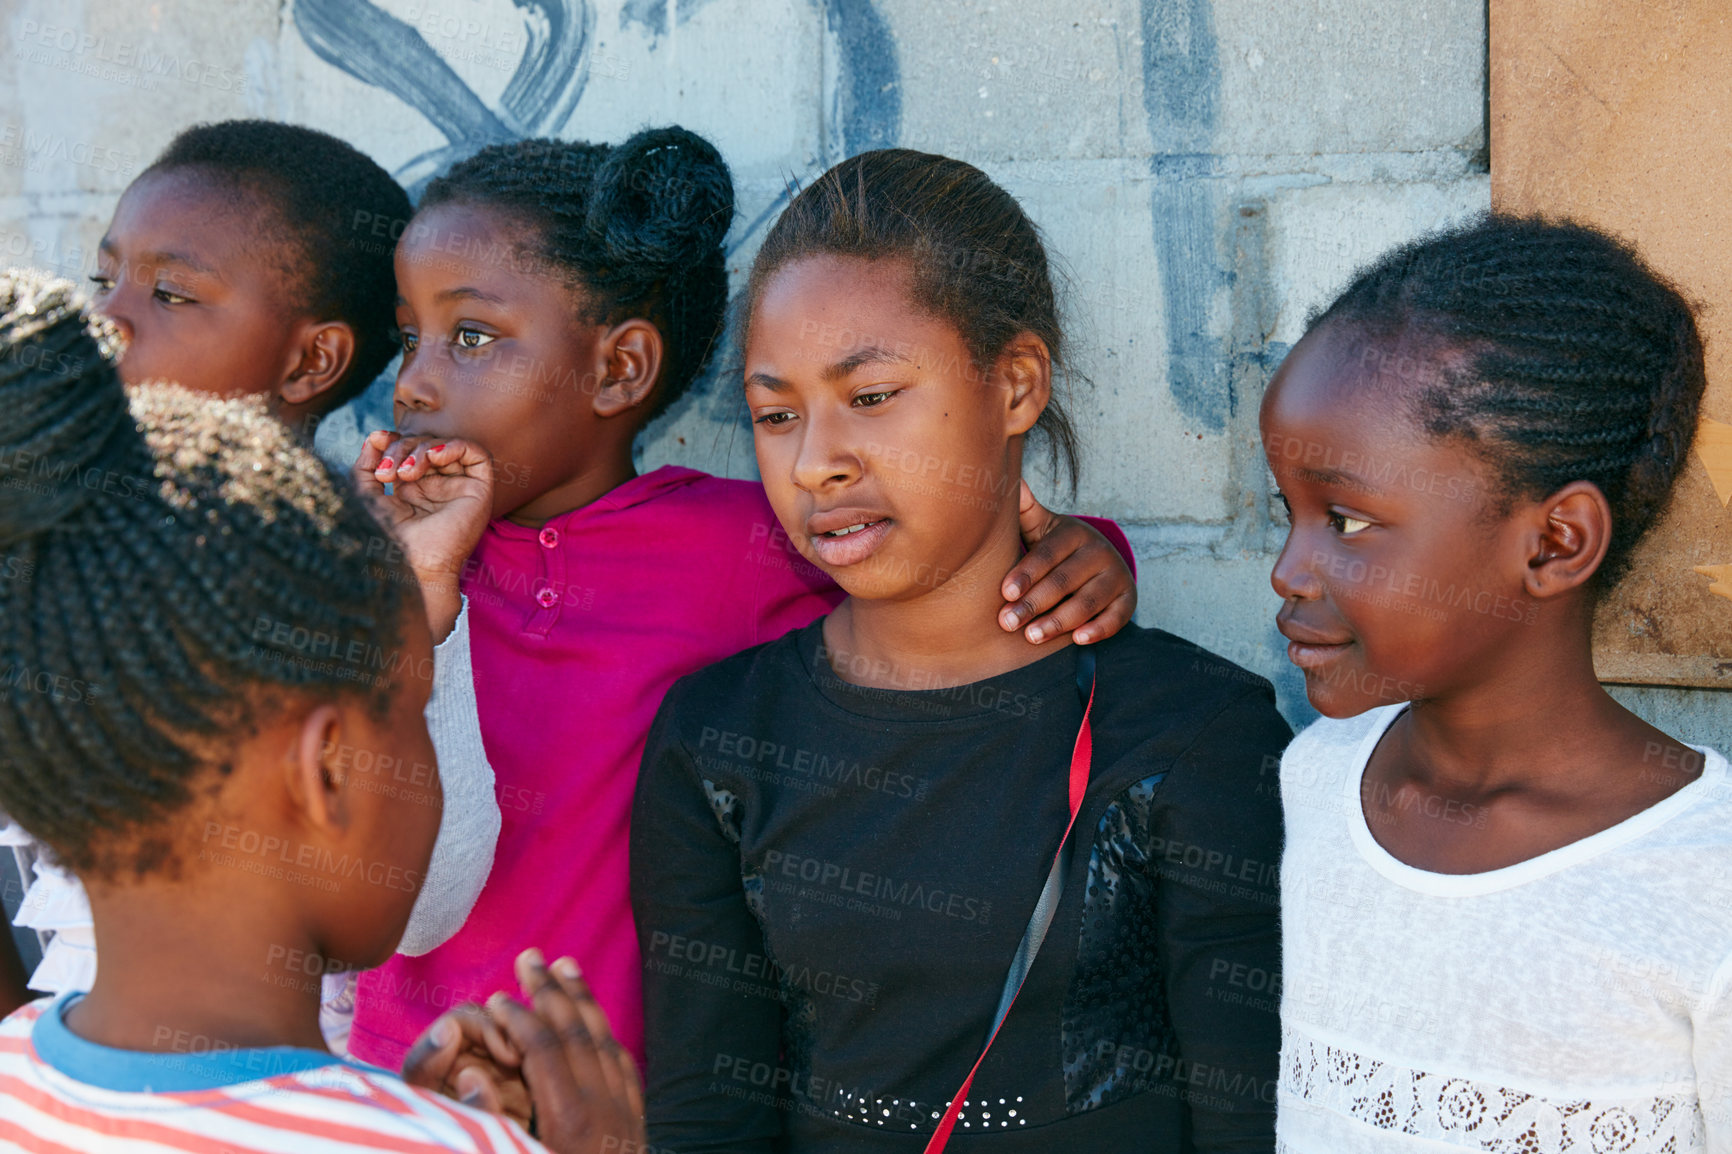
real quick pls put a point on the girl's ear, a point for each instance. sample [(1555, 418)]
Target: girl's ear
[(630, 355), (1024, 369), (1567, 547), (317, 783), (321, 356)]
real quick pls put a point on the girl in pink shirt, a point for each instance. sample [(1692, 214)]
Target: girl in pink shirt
[(554, 297)]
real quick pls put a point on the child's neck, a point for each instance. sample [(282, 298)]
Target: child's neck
[(1532, 757), (947, 636), (1540, 720), (598, 476), (185, 972)]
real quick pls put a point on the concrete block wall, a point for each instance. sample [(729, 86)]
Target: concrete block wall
[(1208, 172)]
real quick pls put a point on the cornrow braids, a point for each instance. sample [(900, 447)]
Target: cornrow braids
[(1571, 359), (335, 213), (978, 261), (636, 227), (170, 558)]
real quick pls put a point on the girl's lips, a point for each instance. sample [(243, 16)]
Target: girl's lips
[(854, 547), (1309, 655)]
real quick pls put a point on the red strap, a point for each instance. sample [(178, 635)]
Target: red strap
[(1079, 783)]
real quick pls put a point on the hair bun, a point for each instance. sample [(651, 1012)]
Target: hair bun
[(663, 199), (62, 406)]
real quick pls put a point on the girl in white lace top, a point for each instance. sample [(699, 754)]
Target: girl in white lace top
[(1506, 900)]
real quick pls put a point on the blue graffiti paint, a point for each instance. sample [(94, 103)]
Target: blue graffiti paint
[(652, 15), (869, 93), (555, 66), (869, 89), (379, 49), (1181, 93)]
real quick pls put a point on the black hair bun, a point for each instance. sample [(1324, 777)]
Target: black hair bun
[(63, 410), (664, 199)]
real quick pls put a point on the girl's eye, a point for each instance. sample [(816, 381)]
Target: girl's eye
[(170, 297), (473, 338), (103, 284), (1347, 526), (410, 340), (872, 400), (773, 419)]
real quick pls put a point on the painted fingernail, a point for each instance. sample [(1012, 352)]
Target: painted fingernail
[(386, 463), (436, 448), (409, 461)]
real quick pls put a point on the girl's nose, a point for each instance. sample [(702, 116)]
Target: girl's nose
[(826, 458), (1294, 577), (416, 387)]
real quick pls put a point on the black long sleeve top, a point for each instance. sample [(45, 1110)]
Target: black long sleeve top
[(830, 883)]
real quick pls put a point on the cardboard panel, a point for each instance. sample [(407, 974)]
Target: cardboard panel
[(1619, 112)]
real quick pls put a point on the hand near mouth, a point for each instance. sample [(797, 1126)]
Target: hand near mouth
[(440, 500)]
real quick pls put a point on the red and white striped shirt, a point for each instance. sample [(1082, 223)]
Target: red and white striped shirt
[(279, 1101)]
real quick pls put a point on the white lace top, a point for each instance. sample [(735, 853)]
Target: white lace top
[(1574, 1002)]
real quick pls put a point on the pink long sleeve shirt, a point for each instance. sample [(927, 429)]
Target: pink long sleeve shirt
[(577, 631)]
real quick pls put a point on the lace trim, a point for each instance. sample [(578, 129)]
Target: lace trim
[(1477, 1115)]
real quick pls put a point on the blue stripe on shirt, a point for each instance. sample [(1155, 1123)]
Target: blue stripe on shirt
[(138, 1071)]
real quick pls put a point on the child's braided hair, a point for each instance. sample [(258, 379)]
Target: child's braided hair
[(1569, 358), (167, 559), (637, 228)]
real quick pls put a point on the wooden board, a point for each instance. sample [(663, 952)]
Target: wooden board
[(1619, 112)]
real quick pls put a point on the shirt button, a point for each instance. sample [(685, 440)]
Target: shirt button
[(549, 537), (547, 598)]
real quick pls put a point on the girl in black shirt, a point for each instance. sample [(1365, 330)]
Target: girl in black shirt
[(840, 837)]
